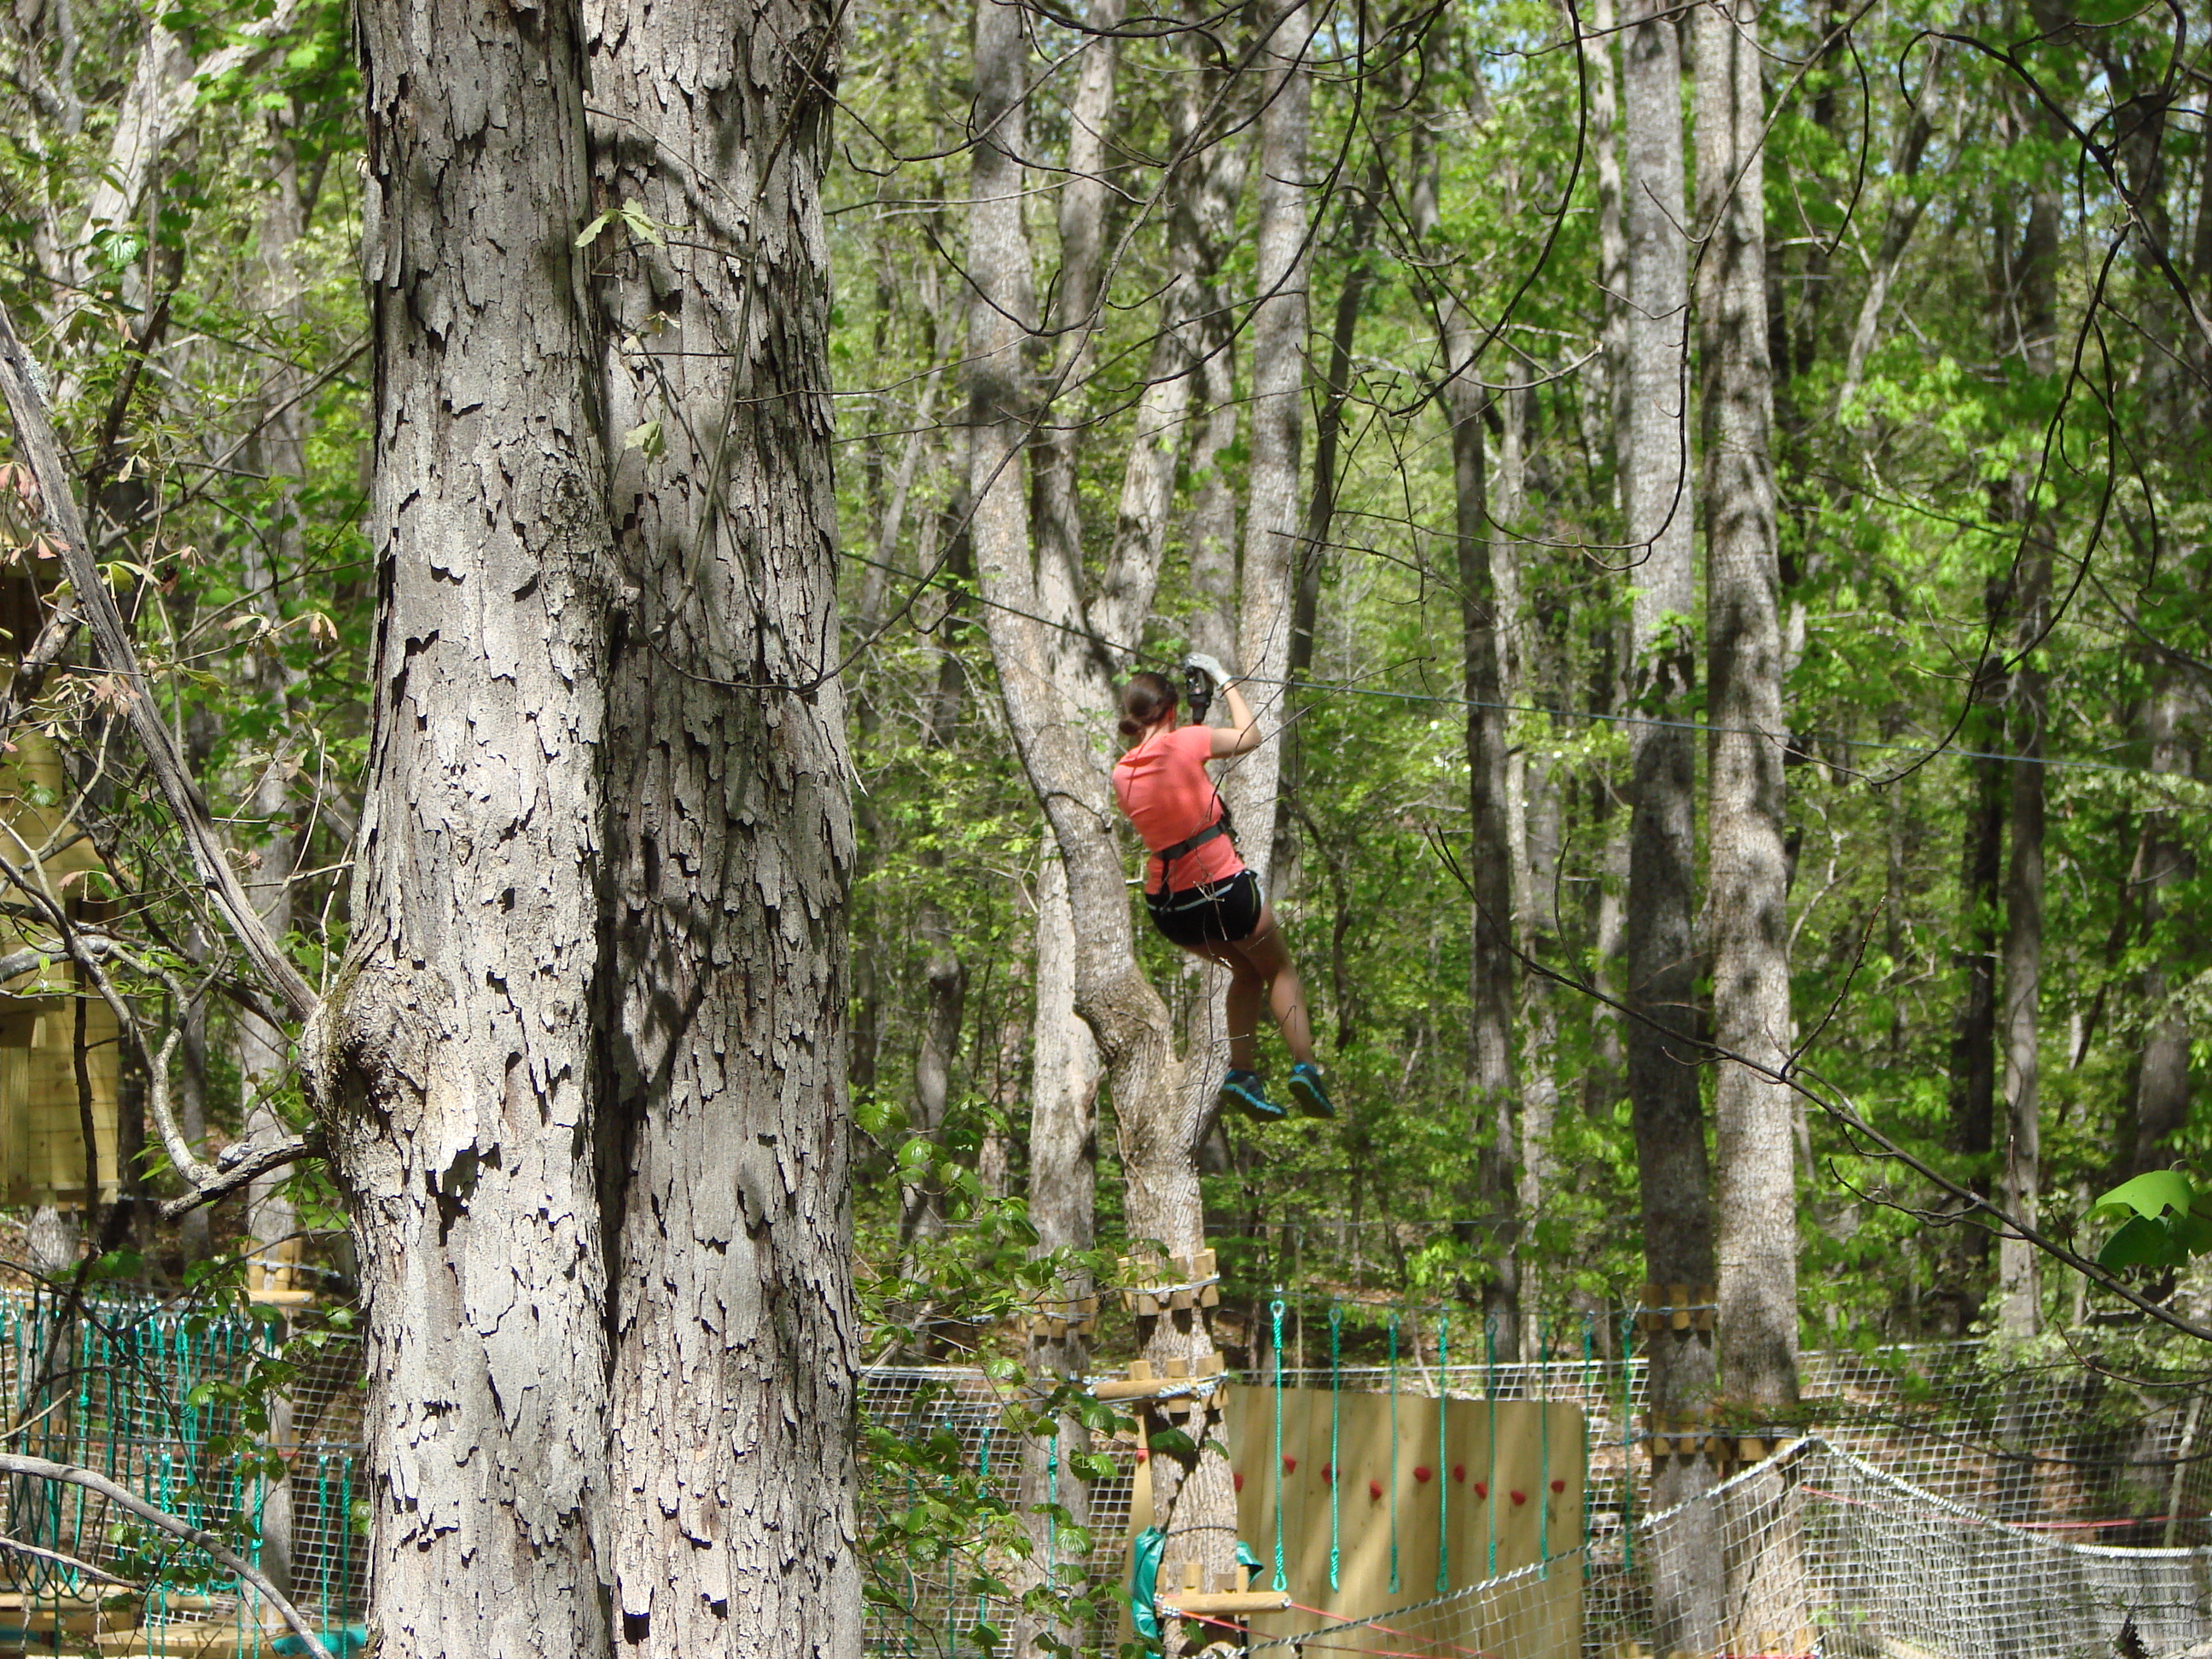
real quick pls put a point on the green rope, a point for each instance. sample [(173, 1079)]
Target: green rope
[(1627, 1452), (1281, 1582), (1443, 1471), (1490, 1389), (1394, 1454), (1587, 1330), (984, 1478), (1544, 1486), (1335, 1469)]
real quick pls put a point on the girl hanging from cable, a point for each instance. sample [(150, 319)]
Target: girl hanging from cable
[(1200, 893)]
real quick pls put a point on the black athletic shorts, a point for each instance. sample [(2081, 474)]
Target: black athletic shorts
[(1220, 912)]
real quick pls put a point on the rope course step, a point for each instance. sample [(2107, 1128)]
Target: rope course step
[(1221, 1604), (1197, 1283), (1177, 1391), (1058, 1319), (1676, 1307), (1223, 1595)]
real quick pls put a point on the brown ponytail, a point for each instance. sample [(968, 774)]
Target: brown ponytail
[(1146, 700)]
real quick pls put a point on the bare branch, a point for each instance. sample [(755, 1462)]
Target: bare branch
[(23, 387), (39, 1468), (238, 1165), (18, 1547)]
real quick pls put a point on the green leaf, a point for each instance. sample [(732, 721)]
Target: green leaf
[(2147, 1196), (2143, 1242)]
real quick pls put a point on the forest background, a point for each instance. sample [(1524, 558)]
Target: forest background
[(1577, 381)]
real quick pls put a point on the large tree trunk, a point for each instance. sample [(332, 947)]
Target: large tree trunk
[(1676, 1203), (729, 843), (1065, 1071), (1060, 729), (1748, 869), (458, 1078)]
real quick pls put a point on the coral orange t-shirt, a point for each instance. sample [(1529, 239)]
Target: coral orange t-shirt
[(1163, 786)]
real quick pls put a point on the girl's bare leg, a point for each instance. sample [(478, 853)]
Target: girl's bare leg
[(1246, 989), (1267, 955)]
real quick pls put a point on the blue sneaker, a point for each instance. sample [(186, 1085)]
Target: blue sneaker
[(1245, 1093), (1307, 1093)]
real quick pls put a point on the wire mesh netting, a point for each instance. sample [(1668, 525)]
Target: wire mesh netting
[(1814, 1553), (1945, 1502), (153, 1398), (1942, 1483)]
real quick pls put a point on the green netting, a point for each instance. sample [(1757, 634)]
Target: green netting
[(147, 1394)]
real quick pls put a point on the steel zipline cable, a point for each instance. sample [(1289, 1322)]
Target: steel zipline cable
[(1792, 742)]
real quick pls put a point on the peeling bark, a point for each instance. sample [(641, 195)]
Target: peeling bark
[(456, 1072), (729, 843)]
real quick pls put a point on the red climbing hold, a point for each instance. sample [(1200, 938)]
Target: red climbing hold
[(1289, 1464), (1423, 1473), (1144, 1457), (1559, 1486), (1459, 1472), (1520, 1497), (1481, 1490), (1375, 1492), (1329, 1474), (1239, 1479)]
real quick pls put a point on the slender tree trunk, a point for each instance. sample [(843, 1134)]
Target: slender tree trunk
[(1063, 1182), (1900, 217), (921, 1205), (1273, 510), (1611, 239), (457, 1077), (1320, 512), (1071, 333), (1191, 352), (1973, 1076), (1602, 1082), (1209, 208), (1748, 870), (264, 1056), (1490, 863), (1533, 833), (2162, 1092), (1662, 1073), (729, 841), (2035, 305)]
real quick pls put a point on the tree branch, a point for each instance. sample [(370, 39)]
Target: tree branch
[(39, 1468), (18, 1547), (23, 388), (238, 1165)]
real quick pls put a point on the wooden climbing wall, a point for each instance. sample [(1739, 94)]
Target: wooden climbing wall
[(1502, 1489), (42, 1151)]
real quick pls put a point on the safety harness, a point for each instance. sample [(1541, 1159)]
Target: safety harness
[(1223, 825)]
